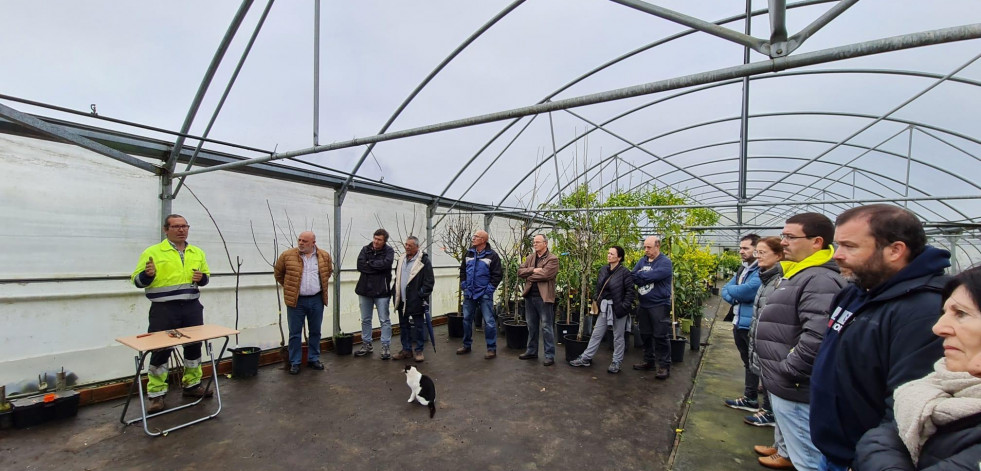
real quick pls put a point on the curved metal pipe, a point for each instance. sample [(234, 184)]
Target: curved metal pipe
[(473, 37)]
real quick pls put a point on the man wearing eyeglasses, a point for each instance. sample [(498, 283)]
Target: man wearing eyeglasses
[(792, 325), (480, 273), (171, 273)]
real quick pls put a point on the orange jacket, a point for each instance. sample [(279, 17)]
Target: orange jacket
[(289, 270)]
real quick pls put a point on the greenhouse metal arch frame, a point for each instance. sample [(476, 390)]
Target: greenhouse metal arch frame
[(779, 47)]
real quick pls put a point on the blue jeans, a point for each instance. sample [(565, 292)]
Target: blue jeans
[(537, 311), (794, 419), (827, 465), (310, 308), (486, 303), (383, 317)]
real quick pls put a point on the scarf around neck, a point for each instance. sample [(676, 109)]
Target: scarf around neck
[(937, 399)]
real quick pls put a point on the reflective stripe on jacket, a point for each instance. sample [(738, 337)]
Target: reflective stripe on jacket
[(173, 279)]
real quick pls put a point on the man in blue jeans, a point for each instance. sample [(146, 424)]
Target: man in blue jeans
[(374, 290), (414, 283), (539, 270), (304, 272), (480, 273)]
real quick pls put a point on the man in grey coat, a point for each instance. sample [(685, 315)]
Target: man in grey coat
[(792, 325)]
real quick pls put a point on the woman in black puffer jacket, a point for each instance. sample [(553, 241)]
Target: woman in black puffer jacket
[(615, 297)]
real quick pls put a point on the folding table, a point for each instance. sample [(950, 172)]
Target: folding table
[(144, 344)]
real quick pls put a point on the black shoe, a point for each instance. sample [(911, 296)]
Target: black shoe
[(549, 362), (295, 369), (527, 356), (316, 364), (197, 391), (662, 373), (644, 366)]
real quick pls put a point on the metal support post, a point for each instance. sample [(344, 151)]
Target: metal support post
[(909, 158), (555, 157), (744, 111), (338, 201), (430, 213), (316, 71)]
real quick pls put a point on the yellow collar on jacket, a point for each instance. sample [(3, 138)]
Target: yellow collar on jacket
[(815, 259)]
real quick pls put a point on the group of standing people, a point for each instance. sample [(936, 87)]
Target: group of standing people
[(840, 338), (858, 369)]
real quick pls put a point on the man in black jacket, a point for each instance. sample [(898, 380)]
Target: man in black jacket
[(374, 291), (414, 283), (879, 335)]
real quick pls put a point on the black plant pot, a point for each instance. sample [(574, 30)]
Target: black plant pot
[(573, 347), (517, 335), (678, 349), (715, 291), (454, 324), (696, 334), (562, 329), (245, 361), (344, 344), (6, 419)]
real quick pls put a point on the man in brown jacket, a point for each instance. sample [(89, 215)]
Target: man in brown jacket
[(304, 271), (539, 270)]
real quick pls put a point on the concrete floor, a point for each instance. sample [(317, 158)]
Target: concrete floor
[(501, 414), (715, 436)]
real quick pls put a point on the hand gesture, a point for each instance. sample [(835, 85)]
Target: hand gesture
[(196, 277), (151, 269)]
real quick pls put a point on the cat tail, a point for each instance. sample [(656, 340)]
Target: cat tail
[(432, 409)]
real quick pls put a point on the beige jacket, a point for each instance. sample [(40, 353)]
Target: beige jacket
[(289, 270), (543, 273)]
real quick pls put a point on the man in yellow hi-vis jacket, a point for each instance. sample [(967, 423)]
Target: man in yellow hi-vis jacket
[(171, 272)]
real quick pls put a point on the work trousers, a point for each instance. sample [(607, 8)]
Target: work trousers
[(655, 329), (174, 315)]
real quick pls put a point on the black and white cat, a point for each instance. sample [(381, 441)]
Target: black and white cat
[(422, 387)]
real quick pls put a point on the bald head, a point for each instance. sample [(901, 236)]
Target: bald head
[(652, 247), (480, 240), (306, 242)]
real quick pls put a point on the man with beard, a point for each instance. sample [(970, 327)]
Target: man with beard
[(879, 335)]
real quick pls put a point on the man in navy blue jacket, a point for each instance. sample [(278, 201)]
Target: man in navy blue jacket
[(740, 291), (652, 275), (879, 335), (480, 273)]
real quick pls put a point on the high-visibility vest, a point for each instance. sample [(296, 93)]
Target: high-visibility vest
[(173, 279)]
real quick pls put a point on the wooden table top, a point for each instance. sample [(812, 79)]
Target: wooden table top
[(158, 340)]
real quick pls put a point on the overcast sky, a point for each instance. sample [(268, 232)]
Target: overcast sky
[(143, 61)]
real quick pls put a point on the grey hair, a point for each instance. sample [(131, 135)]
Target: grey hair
[(412, 238), (543, 236)]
